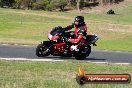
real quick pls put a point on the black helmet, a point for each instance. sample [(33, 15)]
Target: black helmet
[(79, 19)]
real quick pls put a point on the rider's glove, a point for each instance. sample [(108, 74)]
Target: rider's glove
[(66, 39)]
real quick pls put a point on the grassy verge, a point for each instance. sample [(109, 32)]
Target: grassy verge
[(32, 27), (15, 74), (17, 27)]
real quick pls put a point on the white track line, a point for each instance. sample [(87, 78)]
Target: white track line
[(16, 45), (5, 44), (122, 63), (100, 62), (25, 59)]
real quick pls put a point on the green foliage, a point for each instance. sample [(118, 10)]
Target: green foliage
[(59, 4), (7, 3), (51, 4), (36, 4)]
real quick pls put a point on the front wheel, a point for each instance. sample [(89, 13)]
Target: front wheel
[(42, 50)]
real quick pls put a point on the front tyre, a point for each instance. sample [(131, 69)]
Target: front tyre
[(42, 50)]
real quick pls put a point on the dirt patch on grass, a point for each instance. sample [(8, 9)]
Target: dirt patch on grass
[(104, 8), (110, 31), (42, 14), (114, 27)]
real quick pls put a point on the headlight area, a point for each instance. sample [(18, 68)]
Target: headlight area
[(49, 36)]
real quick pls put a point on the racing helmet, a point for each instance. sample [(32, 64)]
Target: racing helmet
[(79, 19)]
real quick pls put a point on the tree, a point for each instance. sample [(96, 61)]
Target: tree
[(0, 3), (53, 4), (78, 5), (59, 4), (24, 4), (8, 3)]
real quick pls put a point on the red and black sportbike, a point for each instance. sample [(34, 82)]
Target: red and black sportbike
[(58, 45)]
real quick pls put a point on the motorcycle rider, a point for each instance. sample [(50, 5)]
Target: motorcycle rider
[(80, 30)]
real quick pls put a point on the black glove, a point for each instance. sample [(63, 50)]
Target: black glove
[(67, 39), (94, 44)]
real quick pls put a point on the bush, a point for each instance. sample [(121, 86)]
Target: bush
[(59, 4), (7, 3)]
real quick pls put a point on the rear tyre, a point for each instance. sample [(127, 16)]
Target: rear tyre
[(89, 51), (84, 52), (80, 56), (42, 50)]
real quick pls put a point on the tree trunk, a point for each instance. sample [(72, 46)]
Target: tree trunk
[(78, 5)]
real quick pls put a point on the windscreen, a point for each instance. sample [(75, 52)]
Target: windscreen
[(56, 31)]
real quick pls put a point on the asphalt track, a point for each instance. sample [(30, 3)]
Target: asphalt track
[(28, 52)]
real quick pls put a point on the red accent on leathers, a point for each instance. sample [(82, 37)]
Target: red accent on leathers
[(78, 36), (76, 40), (85, 27)]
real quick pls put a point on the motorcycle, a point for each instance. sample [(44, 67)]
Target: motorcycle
[(58, 45)]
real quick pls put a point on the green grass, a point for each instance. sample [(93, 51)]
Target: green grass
[(123, 16), (32, 27), (26, 27), (15, 74), (123, 45), (114, 41)]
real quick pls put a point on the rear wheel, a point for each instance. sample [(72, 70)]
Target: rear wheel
[(88, 51), (80, 56), (42, 50), (83, 53)]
